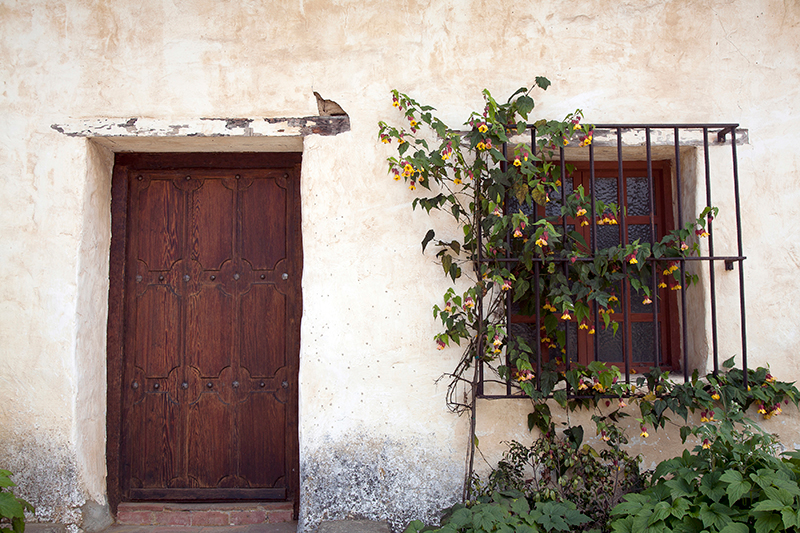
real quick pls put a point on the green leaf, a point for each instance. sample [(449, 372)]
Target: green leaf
[(737, 487), (525, 105), (542, 82), (9, 506), (735, 527), (427, 239), (768, 523), (661, 510), (680, 487)]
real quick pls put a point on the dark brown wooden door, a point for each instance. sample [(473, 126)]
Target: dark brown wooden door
[(211, 333)]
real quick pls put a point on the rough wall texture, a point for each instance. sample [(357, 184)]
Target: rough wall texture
[(368, 367), (363, 476)]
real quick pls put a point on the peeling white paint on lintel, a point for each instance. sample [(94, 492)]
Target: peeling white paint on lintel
[(222, 134)]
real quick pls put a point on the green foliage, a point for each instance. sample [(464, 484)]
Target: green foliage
[(556, 469), (731, 482), (506, 512), (12, 509)]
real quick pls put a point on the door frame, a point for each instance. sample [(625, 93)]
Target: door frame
[(291, 162)]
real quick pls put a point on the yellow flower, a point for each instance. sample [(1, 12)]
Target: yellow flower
[(662, 285), (613, 298), (566, 141), (706, 444), (481, 146), (583, 326), (715, 396), (517, 162), (644, 433), (412, 186), (584, 223), (591, 331), (400, 140), (647, 301), (565, 316), (413, 123), (581, 212), (482, 128), (676, 288), (633, 260), (457, 181)]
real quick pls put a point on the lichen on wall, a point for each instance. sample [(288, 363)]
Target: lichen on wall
[(377, 478)]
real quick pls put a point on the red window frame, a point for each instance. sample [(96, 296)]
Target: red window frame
[(581, 344)]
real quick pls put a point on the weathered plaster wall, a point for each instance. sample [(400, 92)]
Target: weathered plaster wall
[(373, 422)]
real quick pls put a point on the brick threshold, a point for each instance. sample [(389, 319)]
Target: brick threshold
[(203, 514)]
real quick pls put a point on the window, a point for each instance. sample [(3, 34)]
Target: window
[(667, 173), (648, 332)]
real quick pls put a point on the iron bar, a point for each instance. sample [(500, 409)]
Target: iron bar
[(622, 204), (537, 289), (711, 271), (657, 356), (593, 229), (739, 248)]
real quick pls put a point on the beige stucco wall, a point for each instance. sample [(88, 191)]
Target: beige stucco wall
[(376, 439)]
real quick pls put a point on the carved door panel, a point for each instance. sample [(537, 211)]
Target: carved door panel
[(211, 335)]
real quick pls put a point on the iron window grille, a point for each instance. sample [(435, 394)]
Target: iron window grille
[(695, 162)]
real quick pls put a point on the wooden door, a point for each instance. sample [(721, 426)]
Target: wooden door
[(210, 342)]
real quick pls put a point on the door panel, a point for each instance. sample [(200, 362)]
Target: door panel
[(210, 330)]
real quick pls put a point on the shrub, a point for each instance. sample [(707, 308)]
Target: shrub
[(506, 512), (732, 482), (562, 470)]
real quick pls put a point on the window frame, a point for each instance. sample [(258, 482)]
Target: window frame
[(661, 219)]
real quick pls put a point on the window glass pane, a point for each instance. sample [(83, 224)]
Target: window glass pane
[(641, 232), (514, 206), (607, 236), (610, 344), (643, 339), (606, 190), (526, 332), (638, 197), (553, 207)]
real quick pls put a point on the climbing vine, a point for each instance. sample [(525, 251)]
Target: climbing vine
[(514, 249)]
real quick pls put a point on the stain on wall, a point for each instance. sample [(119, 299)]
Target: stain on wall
[(363, 477), (46, 475)]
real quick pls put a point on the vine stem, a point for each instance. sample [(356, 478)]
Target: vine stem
[(467, 491)]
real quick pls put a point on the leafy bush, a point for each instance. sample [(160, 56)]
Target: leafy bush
[(732, 482), (12, 509), (562, 470), (506, 512)]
